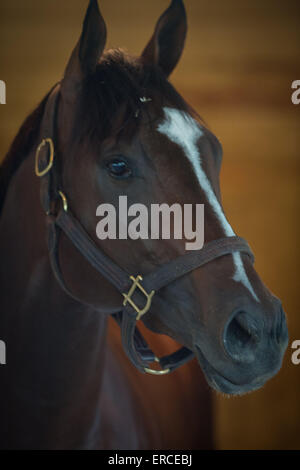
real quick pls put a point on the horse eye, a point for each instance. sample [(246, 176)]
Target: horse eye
[(119, 168)]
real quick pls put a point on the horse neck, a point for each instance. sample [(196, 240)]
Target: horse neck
[(51, 340)]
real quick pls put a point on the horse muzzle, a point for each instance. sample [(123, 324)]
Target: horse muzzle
[(251, 352)]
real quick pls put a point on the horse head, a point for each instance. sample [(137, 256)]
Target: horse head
[(123, 130)]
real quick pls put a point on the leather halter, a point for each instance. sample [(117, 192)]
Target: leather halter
[(134, 290)]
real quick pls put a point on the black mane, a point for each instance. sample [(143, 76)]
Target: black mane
[(20, 148), (119, 82)]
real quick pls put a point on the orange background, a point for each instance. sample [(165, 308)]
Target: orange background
[(240, 60)]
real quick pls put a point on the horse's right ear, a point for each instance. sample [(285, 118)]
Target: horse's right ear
[(88, 50), (166, 45)]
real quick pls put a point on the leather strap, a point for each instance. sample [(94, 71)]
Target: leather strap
[(50, 181), (59, 221), (134, 344)]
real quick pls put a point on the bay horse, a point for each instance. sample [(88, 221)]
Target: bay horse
[(114, 125)]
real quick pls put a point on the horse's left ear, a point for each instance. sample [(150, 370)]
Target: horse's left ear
[(166, 45), (89, 48)]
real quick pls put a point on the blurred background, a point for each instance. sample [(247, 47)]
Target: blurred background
[(240, 60)]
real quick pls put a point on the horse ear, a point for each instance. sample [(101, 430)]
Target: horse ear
[(89, 48), (166, 45)]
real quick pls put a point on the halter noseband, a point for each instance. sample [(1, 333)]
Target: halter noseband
[(135, 290)]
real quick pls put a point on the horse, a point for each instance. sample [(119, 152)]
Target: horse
[(115, 125)]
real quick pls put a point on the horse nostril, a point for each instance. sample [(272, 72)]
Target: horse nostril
[(241, 337)]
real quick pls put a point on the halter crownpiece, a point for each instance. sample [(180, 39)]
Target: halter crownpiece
[(134, 290)]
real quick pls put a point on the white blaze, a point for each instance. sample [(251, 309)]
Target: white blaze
[(183, 130)]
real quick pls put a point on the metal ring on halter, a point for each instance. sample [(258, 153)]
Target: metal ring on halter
[(157, 372), (38, 172), (64, 201)]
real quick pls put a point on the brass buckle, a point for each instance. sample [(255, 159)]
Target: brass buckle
[(157, 372), (51, 158), (64, 201), (128, 297)]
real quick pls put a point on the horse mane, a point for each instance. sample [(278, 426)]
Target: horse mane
[(112, 94), (119, 80), (20, 148)]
